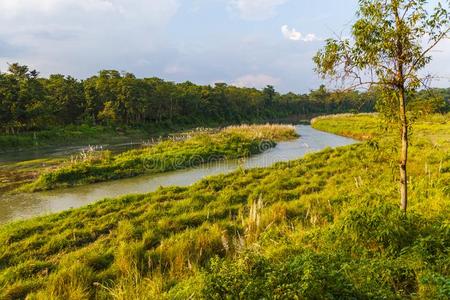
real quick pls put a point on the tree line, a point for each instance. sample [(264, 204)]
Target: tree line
[(31, 102)]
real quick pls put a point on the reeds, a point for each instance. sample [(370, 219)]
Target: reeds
[(276, 132)]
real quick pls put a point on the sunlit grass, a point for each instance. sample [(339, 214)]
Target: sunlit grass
[(360, 126), (324, 226), (273, 132)]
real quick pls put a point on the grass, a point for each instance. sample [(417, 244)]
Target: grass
[(273, 132), (197, 148), (360, 126), (326, 226), (77, 135), (71, 135)]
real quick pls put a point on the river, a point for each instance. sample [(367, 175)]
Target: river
[(21, 206)]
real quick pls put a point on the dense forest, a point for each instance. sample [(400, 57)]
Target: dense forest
[(30, 102)]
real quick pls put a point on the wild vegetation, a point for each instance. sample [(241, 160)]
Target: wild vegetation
[(325, 226), (364, 126), (39, 111), (111, 98), (190, 150), (392, 41), (76, 135), (59, 110)]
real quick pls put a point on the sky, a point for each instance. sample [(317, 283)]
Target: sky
[(240, 42)]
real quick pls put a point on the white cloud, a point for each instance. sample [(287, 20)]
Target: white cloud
[(290, 34), (311, 37), (14, 8), (76, 35), (256, 10), (256, 80), (294, 35)]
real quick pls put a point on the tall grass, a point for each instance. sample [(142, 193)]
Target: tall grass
[(326, 226), (273, 132)]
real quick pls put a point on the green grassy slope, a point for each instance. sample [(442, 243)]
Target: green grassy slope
[(361, 126), (325, 226)]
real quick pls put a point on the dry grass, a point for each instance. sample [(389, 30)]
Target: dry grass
[(275, 132)]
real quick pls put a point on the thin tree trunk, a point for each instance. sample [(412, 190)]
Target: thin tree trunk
[(403, 118), (403, 153)]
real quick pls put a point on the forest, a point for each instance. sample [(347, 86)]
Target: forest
[(29, 102)]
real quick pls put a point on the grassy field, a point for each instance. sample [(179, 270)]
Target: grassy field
[(360, 127), (327, 226), (193, 149), (73, 135)]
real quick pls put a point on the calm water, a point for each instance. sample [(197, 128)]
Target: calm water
[(28, 205)]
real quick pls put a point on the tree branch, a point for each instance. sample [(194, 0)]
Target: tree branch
[(424, 53)]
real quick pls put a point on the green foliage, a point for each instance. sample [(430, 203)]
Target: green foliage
[(324, 226), (29, 103), (388, 43), (61, 110), (303, 275)]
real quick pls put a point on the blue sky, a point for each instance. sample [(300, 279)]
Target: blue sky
[(240, 42)]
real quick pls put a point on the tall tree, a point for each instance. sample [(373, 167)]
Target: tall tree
[(65, 97), (391, 42), (269, 94), (29, 107)]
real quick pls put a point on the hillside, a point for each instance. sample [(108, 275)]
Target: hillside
[(325, 226)]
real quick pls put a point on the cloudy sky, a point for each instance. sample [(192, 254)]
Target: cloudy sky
[(241, 42)]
